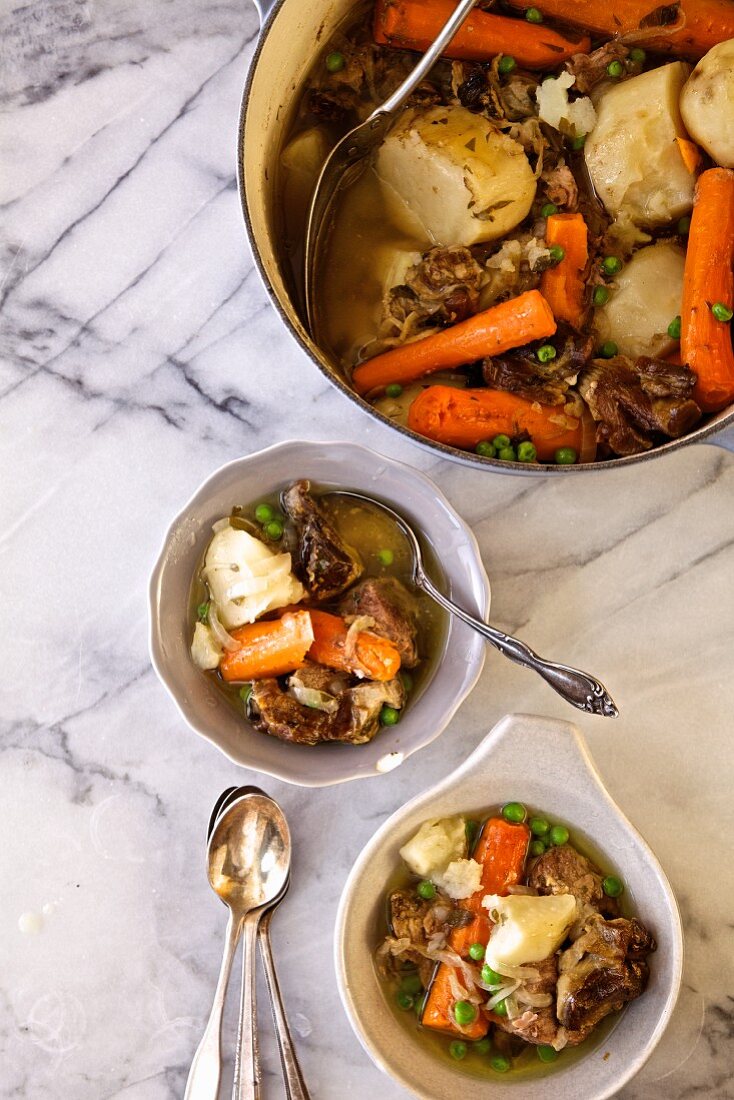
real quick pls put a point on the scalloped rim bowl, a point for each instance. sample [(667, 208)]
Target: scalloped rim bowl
[(546, 763), (337, 464)]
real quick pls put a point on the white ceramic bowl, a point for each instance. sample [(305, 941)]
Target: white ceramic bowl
[(545, 763), (347, 466)]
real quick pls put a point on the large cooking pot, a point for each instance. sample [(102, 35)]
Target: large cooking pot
[(292, 31)]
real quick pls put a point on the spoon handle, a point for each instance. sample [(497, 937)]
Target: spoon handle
[(295, 1086), (576, 687), (206, 1067), (247, 1063)]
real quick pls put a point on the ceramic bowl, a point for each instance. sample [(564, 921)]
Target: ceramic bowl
[(337, 465), (545, 763)]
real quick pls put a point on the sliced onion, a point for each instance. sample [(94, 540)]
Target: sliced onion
[(362, 622), (587, 450), (502, 994), (534, 1000), (436, 942), (560, 1040), (312, 697), (513, 1009), (218, 630), (517, 973), (220, 525)]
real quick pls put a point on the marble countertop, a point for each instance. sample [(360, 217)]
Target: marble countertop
[(140, 352)]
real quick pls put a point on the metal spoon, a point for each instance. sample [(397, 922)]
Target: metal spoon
[(347, 159), (295, 1086), (577, 688), (247, 871)]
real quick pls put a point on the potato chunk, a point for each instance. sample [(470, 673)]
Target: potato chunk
[(707, 103), (648, 295), (632, 155), (450, 178)]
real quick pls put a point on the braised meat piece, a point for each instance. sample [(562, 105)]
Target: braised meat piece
[(604, 969), (590, 69), (441, 289), (537, 1025), (411, 918), (563, 870), (356, 720), (561, 187), (391, 606), (634, 401), (325, 564), (320, 678), (547, 383)]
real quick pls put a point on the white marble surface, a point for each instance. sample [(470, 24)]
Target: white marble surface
[(139, 351)]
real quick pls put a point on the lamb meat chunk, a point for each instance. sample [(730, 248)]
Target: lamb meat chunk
[(632, 402), (561, 187), (392, 607), (411, 918), (321, 678), (357, 719), (441, 289), (604, 969), (325, 564), (537, 1025), (547, 383), (590, 69), (563, 870)]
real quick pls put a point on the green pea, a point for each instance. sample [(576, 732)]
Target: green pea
[(389, 716), (722, 312), (335, 62), (407, 681), (684, 226), (559, 834), (506, 64), (545, 353), (411, 984), (404, 1000), (565, 456), (457, 1050), (274, 530), (548, 209), (465, 1013), (500, 441), (394, 389), (471, 828), (547, 1054), (637, 55), (499, 1063), (557, 253), (386, 557), (612, 886), (515, 812), (485, 449), (264, 513), (507, 454), (615, 69), (538, 826), (533, 15), (476, 952), (578, 142), (600, 296), (500, 1008), (245, 692), (426, 890), (674, 329), (536, 848), (483, 1046), (611, 265), (608, 349), (202, 612), (490, 976), (526, 452)]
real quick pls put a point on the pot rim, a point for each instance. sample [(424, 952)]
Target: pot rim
[(705, 433)]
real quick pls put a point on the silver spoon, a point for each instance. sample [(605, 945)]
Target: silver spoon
[(295, 1086), (347, 159), (576, 687), (247, 871)]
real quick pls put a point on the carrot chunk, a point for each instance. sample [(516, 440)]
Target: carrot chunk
[(491, 332), (563, 285), (706, 342), (374, 657), (269, 648)]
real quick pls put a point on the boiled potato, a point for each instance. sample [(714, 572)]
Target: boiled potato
[(450, 178), (632, 156), (648, 295), (436, 844), (707, 103), (303, 158)]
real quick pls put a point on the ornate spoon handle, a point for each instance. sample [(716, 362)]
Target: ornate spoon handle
[(295, 1086)]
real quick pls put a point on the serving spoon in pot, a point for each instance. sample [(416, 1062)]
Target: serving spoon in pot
[(348, 159), (578, 688)]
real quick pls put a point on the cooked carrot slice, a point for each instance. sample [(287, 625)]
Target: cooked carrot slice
[(269, 648), (563, 285), (374, 657)]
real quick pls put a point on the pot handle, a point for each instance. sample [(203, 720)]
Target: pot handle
[(724, 438), (264, 8)]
